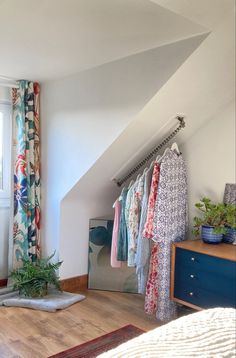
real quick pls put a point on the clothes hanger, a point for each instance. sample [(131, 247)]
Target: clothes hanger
[(145, 170), (138, 177), (114, 204), (120, 197), (158, 158), (175, 148), (161, 157), (131, 183), (152, 164)]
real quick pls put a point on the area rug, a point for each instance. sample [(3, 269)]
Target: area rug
[(101, 344)]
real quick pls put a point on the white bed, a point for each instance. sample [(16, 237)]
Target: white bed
[(207, 334)]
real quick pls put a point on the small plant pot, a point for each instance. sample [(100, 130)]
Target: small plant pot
[(230, 236), (209, 236)]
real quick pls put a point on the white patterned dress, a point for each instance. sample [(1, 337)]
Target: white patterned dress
[(170, 225)]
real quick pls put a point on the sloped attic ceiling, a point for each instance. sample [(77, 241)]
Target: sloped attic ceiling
[(198, 89), (113, 92), (44, 40)]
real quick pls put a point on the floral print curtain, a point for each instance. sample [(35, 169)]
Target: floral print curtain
[(26, 157)]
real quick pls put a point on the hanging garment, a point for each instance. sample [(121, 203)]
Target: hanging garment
[(134, 218), (148, 228), (143, 244), (122, 244), (127, 209), (150, 305), (151, 288), (114, 262), (170, 224)]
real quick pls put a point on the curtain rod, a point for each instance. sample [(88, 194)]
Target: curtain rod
[(8, 82), (181, 125), (11, 85)]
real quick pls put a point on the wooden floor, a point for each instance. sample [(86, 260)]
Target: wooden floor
[(26, 333)]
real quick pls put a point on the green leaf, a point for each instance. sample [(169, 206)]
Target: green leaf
[(33, 277)]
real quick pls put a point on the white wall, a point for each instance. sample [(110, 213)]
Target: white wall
[(74, 227), (201, 88), (82, 115), (210, 155), (4, 211)]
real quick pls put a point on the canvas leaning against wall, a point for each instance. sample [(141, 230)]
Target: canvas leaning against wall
[(101, 275)]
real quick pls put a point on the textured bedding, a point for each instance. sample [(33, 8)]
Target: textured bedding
[(207, 334)]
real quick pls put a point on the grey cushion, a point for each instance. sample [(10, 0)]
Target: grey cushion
[(55, 300)]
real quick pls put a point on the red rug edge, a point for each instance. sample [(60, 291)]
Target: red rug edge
[(56, 355)]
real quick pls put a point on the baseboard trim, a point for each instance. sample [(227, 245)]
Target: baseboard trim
[(3, 282), (74, 284)]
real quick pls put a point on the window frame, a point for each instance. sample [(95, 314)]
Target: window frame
[(5, 192)]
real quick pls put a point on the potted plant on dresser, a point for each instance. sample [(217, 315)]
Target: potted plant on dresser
[(230, 235), (216, 223)]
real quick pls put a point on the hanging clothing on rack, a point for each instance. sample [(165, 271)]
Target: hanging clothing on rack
[(114, 262), (154, 209), (134, 218), (127, 210), (170, 225), (148, 227), (122, 244), (143, 244), (150, 305)]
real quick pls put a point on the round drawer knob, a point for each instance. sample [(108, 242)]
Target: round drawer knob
[(192, 258), (192, 276), (190, 293)]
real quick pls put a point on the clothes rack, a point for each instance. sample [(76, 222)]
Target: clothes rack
[(181, 125)]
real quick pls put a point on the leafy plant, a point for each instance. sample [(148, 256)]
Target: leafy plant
[(230, 212), (220, 216), (32, 279)]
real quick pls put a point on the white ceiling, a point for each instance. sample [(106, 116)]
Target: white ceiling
[(208, 13), (50, 39)]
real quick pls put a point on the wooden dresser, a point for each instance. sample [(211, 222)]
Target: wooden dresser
[(203, 275)]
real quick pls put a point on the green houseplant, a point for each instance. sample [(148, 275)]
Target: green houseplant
[(230, 235), (33, 278), (214, 221)]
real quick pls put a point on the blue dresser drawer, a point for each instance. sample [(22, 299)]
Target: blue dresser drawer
[(202, 298), (206, 263), (219, 285), (204, 280)]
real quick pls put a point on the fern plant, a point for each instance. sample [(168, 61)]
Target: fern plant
[(33, 278)]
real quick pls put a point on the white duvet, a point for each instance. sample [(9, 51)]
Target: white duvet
[(207, 334)]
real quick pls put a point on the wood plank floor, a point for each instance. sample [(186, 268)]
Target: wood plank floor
[(26, 333)]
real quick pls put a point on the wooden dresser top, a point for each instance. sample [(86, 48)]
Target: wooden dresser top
[(223, 251)]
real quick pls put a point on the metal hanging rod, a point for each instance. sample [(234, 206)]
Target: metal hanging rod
[(181, 125)]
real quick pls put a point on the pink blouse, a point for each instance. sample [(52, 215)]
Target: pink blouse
[(115, 233)]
